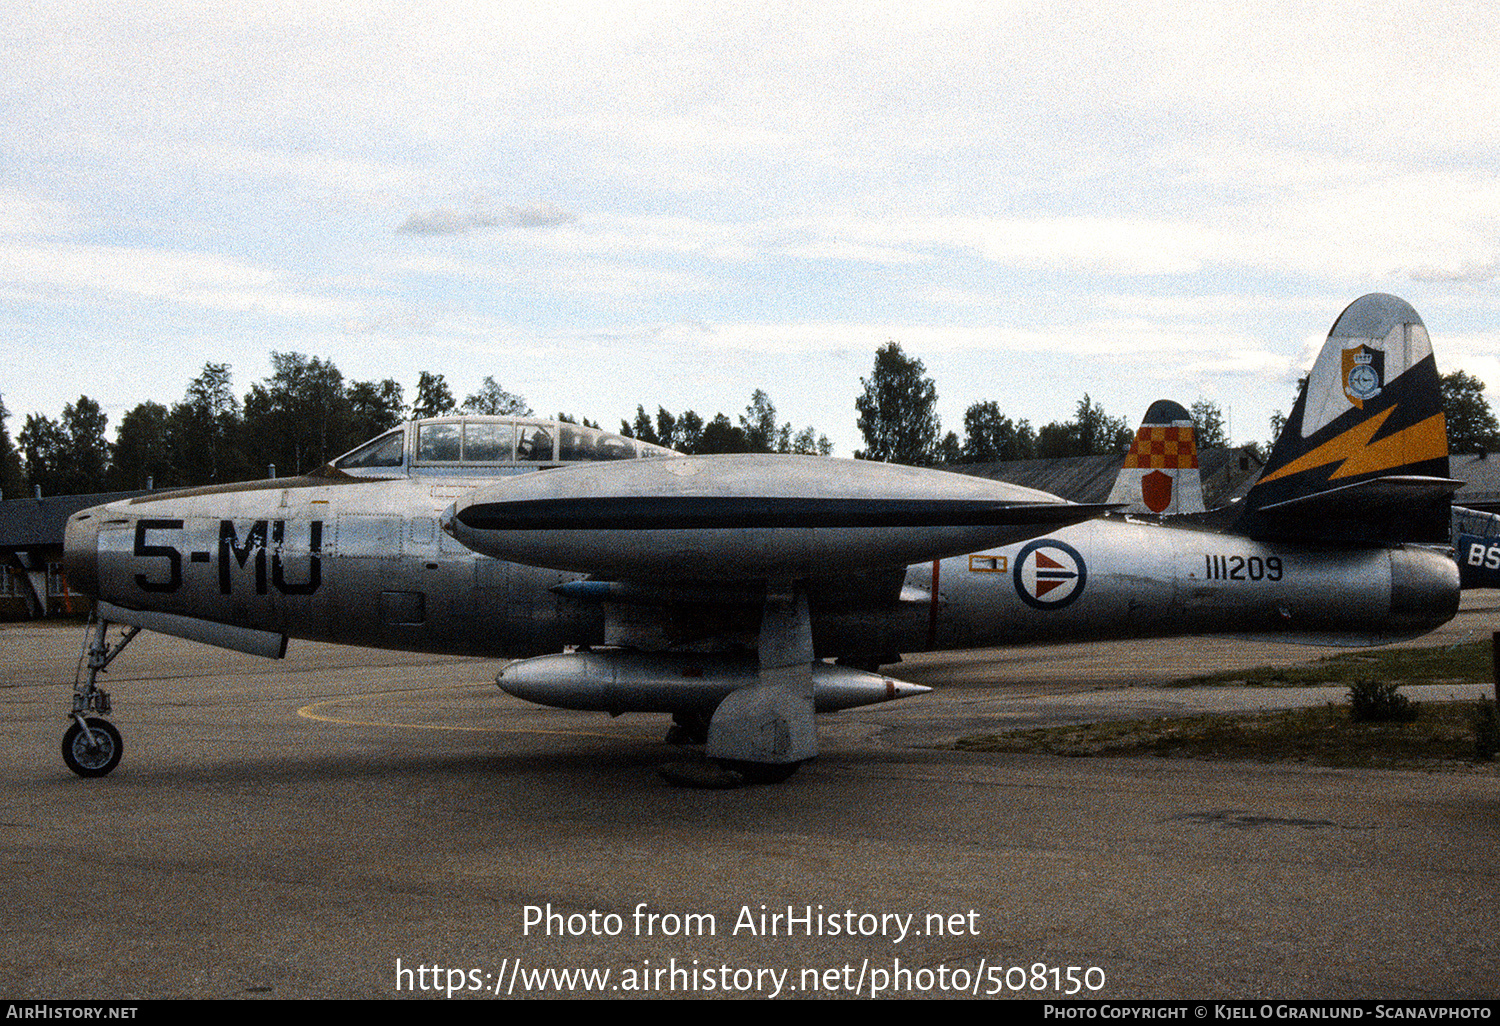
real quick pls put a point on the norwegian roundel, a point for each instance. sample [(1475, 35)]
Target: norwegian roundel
[(1049, 574)]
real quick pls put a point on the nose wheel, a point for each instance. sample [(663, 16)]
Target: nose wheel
[(92, 747)]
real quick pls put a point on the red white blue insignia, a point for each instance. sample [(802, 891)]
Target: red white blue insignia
[(1049, 574)]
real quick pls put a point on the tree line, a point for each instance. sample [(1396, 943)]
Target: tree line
[(757, 431), (297, 419), (898, 419), (899, 422), (304, 414)]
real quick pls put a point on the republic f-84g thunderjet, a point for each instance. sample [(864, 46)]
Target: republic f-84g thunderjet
[(743, 594)]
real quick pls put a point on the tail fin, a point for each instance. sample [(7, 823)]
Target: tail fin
[(1364, 455), (1160, 474)]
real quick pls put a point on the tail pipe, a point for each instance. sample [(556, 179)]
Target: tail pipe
[(1424, 589)]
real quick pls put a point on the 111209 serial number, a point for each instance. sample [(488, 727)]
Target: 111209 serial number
[(1242, 568)]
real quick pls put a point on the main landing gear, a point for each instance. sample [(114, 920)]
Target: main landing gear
[(92, 746)]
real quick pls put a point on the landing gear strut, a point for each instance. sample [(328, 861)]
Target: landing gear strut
[(688, 729), (92, 746)]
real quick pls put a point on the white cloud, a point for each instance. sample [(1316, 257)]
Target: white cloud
[(24, 215), (187, 279), (1110, 184), (446, 221), (450, 221)]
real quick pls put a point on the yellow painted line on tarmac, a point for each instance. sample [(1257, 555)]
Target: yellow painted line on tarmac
[(313, 711)]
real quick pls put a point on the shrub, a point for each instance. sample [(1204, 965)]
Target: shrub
[(1486, 730), (1373, 701)]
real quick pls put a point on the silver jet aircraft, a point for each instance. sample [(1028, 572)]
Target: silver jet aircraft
[(742, 594)]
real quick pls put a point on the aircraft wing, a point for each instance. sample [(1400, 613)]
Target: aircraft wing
[(748, 517)]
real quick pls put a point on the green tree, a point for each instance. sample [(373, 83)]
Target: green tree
[(1091, 432), (1471, 422), (1057, 440), (141, 452), (205, 432), (69, 457), (12, 479), (88, 450), (44, 450), (299, 417), (721, 436), (756, 432), (494, 400), (809, 443), (684, 432), (1208, 425), (1098, 432), (898, 410), (373, 409), (758, 422), (991, 436), (642, 428), (433, 397)]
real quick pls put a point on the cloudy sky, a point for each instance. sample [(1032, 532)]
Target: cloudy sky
[(605, 205)]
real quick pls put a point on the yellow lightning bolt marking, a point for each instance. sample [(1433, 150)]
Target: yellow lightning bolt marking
[(1426, 440)]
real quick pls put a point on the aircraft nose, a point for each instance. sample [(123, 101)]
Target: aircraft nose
[(81, 550)]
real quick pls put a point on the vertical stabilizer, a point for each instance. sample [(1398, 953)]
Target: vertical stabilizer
[(1364, 455), (1161, 474)]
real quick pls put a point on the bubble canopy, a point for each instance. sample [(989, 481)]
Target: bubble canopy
[(488, 444)]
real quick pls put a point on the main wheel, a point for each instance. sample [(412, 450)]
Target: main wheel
[(761, 772), (97, 759)]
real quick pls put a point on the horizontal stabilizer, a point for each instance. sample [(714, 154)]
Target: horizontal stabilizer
[(1385, 509), (1371, 498)]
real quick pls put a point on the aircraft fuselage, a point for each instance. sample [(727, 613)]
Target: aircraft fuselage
[(365, 562)]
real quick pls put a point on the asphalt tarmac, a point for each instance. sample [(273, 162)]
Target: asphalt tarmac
[(353, 823)]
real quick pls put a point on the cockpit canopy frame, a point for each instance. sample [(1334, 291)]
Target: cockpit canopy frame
[(480, 445)]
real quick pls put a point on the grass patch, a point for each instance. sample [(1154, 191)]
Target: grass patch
[(1466, 664), (1441, 737)]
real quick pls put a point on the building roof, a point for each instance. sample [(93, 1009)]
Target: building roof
[(1480, 473), (39, 523), (1227, 474)]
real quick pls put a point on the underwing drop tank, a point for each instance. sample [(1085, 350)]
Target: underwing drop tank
[(619, 680)]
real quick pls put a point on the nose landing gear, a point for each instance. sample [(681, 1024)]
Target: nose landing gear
[(91, 746)]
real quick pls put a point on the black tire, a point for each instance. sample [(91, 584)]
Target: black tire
[(761, 772), (92, 760)]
